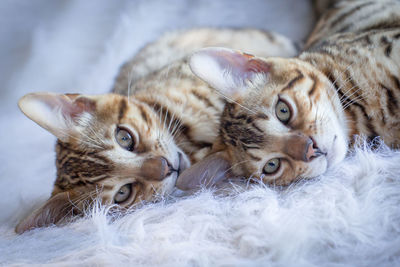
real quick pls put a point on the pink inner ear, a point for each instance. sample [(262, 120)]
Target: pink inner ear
[(244, 61), (241, 65), (79, 106), (72, 105), (257, 65)]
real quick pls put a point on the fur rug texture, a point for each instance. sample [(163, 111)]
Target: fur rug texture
[(348, 217)]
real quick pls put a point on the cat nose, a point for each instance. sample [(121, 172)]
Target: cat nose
[(301, 147), (312, 150), (157, 168)]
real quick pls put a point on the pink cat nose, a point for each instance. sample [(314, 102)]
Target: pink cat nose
[(156, 168), (312, 150), (301, 147)]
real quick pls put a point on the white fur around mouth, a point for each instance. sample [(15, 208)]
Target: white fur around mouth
[(336, 153)]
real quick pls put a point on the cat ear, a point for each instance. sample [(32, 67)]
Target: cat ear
[(210, 171), (57, 113), (57, 209), (226, 70)]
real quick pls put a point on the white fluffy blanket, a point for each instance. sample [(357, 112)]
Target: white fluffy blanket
[(348, 217)]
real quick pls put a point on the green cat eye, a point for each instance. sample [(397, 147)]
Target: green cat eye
[(123, 193), (282, 111), (272, 166), (125, 139)]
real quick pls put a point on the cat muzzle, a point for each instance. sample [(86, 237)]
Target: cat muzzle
[(301, 147), (182, 163), (157, 168)]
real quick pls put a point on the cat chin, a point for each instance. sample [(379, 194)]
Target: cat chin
[(334, 156), (337, 152), (184, 162), (181, 162), (168, 185), (317, 167)]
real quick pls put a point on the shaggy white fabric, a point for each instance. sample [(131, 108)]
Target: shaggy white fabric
[(348, 217)]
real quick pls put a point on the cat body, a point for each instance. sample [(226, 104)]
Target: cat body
[(357, 46), (129, 147), (294, 118)]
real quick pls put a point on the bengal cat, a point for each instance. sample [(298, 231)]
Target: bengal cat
[(130, 147), (293, 118)]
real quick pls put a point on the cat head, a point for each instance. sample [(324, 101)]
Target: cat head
[(109, 147), (283, 120)]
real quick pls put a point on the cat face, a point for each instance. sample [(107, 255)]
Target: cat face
[(284, 120), (110, 148)]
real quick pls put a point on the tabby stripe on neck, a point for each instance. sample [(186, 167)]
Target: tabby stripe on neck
[(347, 14), (326, 51), (383, 116), (332, 78), (390, 100), (353, 122), (362, 19), (345, 101), (369, 124), (364, 38), (388, 49), (396, 81), (354, 87)]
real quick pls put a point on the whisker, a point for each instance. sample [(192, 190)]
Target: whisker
[(100, 140), (355, 100), (355, 92), (337, 79), (176, 126), (345, 96), (83, 141), (341, 73), (231, 100), (170, 122)]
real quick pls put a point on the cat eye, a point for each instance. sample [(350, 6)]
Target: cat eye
[(123, 193), (272, 166), (125, 139), (282, 111)]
